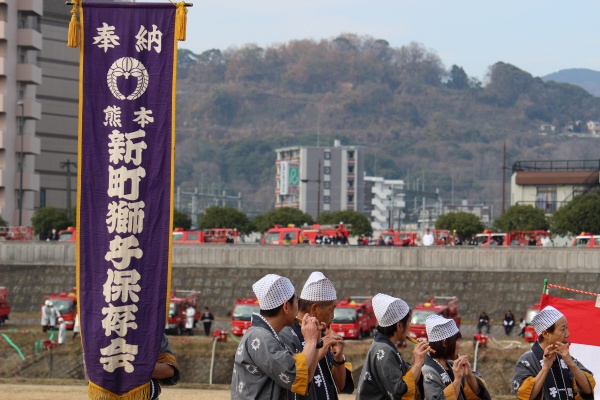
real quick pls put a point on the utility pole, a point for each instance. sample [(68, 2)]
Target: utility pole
[(21, 121), (504, 178), (68, 164)]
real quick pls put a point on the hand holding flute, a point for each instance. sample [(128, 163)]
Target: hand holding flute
[(556, 347), (307, 328)]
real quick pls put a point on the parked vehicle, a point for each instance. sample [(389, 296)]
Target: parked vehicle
[(67, 235), (66, 304), (241, 315), (214, 235), (441, 237), (177, 307), (291, 235), (405, 239), (4, 307), (16, 233), (521, 238), (354, 317), (488, 238), (446, 306), (586, 240), (530, 335)]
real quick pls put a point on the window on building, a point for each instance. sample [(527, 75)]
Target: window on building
[(546, 198), (327, 170), (350, 198), (350, 184), (350, 154), (350, 169), (326, 199), (42, 198), (327, 155), (327, 185)]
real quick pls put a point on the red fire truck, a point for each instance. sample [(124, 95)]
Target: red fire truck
[(241, 315), (4, 307), (530, 335), (16, 233), (67, 235), (488, 238), (66, 304), (214, 235), (177, 307), (290, 235), (354, 317), (441, 237), (446, 306), (405, 239), (586, 240)]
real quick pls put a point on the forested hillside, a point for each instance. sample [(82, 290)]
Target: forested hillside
[(415, 117)]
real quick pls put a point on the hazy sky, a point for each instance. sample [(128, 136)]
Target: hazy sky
[(537, 36)]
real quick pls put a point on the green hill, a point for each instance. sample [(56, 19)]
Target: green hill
[(415, 117)]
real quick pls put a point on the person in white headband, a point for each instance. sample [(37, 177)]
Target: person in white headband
[(264, 367), (448, 375), (318, 299), (548, 370), (385, 373)]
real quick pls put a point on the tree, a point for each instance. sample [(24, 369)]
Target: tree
[(465, 224), (3, 222), (521, 218), (359, 224), (458, 78), (225, 217), (582, 214), (181, 220), (46, 218), (281, 216)]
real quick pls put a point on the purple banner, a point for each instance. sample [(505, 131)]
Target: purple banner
[(126, 139)]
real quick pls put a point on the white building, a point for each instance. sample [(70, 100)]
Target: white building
[(317, 179), (385, 204)]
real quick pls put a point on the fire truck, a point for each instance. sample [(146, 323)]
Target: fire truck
[(66, 304), (405, 239), (4, 307), (67, 235), (441, 237), (446, 306), (214, 235), (530, 335), (16, 233), (241, 315), (522, 237), (586, 240), (177, 307), (489, 238), (291, 235), (354, 317)]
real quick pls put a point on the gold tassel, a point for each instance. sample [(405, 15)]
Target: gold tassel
[(95, 392), (73, 38), (181, 21)]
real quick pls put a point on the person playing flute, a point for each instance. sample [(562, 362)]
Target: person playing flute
[(447, 375), (385, 374), (548, 371), (333, 374)]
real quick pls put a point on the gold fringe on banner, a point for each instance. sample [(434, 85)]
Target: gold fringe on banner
[(181, 21), (95, 392), (73, 38)]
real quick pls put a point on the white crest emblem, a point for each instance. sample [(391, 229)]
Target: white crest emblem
[(380, 354), (318, 380), (284, 378), (553, 391), (563, 364), (368, 376), (446, 378), (255, 344), (252, 368), (240, 349), (126, 67), (525, 363), (516, 386), (428, 377), (570, 392), (240, 387)]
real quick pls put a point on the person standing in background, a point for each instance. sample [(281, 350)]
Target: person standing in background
[(207, 319)]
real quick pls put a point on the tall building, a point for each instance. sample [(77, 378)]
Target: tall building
[(384, 203), (20, 75), (318, 179)]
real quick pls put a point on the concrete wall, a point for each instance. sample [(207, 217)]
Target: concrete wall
[(483, 279)]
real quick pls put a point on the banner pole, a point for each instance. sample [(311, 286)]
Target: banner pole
[(545, 290)]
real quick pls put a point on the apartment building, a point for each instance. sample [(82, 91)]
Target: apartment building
[(318, 179)]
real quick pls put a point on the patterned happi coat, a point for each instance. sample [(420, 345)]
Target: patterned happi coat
[(264, 367), (322, 386), (385, 374), (530, 364), (437, 384)]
